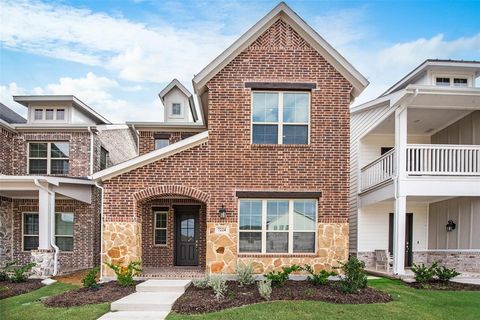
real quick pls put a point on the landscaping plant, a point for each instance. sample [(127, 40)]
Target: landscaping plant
[(445, 274), (90, 279), (245, 275), (355, 277), (202, 283), (278, 278), (20, 273), (424, 274), (320, 278), (219, 285), (125, 274), (265, 289), (5, 271)]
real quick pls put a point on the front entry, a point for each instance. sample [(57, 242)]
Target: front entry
[(186, 235), (408, 238)]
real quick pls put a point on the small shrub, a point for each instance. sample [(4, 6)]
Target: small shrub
[(320, 278), (219, 285), (6, 270), (309, 292), (265, 289), (424, 274), (355, 277), (245, 275), (278, 278), (445, 274), (125, 274), (90, 279), (201, 283), (20, 274)]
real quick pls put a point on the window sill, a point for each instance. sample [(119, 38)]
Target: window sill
[(280, 146), (277, 255)]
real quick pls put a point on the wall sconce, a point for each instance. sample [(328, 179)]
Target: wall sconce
[(450, 225), (222, 212)]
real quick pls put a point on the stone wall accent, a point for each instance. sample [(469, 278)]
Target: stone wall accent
[(121, 244), (44, 262), (221, 248), (461, 261), (6, 230)]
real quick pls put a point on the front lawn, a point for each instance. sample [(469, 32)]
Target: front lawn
[(408, 303), (28, 306)]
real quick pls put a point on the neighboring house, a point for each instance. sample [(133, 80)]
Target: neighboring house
[(260, 176), (415, 169), (49, 209)]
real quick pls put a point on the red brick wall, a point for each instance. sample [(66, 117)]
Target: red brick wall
[(6, 151), (147, 139)]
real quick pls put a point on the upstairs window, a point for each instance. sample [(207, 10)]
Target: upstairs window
[(48, 157), (448, 81), (280, 117), (176, 110), (49, 114), (443, 81), (38, 114), (103, 158), (60, 114), (460, 82), (161, 143)]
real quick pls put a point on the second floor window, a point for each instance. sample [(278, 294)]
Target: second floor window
[(103, 158), (280, 117), (161, 143), (48, 157)]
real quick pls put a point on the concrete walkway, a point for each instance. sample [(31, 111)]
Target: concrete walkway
[(153, 300)]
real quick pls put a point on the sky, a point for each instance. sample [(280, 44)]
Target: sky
[(117, 55)]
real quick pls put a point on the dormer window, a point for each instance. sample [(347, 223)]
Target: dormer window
[(176, 109), (60, 114), (38, 114), (50, 114), (443, 81), (460, 82), (452, 80)]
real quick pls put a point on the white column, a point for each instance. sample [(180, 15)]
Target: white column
[(399, 217), (44, 203), (401, 141)]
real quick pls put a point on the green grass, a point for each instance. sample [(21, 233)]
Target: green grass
[(28, 306), (408, 304)]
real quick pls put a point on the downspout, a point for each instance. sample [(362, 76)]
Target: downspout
[(91, 149), (101, 228), (52, 228)]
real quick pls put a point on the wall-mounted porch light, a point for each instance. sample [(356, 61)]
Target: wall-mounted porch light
[(450, 225), (222, 212)]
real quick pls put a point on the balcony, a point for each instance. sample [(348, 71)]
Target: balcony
[(423, 160)]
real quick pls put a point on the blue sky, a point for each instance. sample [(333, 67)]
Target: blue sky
[(117, 55)]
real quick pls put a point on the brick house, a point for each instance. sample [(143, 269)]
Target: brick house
[(259, 175), (49, 209)]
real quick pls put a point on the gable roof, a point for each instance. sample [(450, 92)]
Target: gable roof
[(10, 116), (358, 81), (177, 84), (25, 100)]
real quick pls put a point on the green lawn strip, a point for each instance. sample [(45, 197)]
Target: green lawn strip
[(28, 306), (408, 303)]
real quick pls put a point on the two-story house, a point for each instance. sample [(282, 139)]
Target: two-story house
[(259, 175), (415, 169), (49, 209)]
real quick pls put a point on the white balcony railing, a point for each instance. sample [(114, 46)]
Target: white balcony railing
[(424, 159), (378, 171), (435, 159)]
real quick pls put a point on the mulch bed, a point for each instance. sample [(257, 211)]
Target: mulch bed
[(196, 300), (450, 286), (10, 289), (108, 292)]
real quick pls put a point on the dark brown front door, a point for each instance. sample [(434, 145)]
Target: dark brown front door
[(186, 230), (408, 238)]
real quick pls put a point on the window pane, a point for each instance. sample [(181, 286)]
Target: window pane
[(250, 215), (303, 242), (161, 143), (304, 214), (30, 243), (250, 242), (265, 134), (160, 236), (265, 107), (37, 150), (60, 149), (295, 107), (460, 82), (49, 114), (176, 109), (30, 224), (60, 114), (38, 114), (161, 220), (64, 224), (277, 215), (295, 134), (64, 243), (103, 159), (443, 81), (36, 166), (277, 242), (59, 167)]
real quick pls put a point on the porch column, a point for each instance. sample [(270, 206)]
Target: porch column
[(399, 217), (44, 203)]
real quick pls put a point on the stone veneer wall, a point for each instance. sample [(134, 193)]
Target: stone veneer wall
[(6, 230)]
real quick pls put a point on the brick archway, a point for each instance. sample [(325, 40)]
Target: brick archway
[(170, 190)]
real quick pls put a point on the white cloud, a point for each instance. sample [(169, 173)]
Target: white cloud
[(6, 93)]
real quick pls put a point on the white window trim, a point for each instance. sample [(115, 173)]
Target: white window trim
[(44, 114), (49, 156), (280, 122), (452, 77), (155, 213), (182, 113), (66, 235), (264, 230), (23, 231)]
